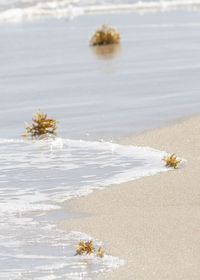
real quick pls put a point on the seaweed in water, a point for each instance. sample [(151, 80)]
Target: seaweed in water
[(107, 52), (42, 125), (105, 36), (87, 247), (172, 161)]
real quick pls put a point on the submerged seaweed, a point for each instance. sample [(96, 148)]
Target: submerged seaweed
[(42, 125), (87, 247), (172, 161), (105, 36)]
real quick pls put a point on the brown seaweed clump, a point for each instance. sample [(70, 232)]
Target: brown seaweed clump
[(105, 36), (87, 247), (100, 253), (42, 125), (172, 161)]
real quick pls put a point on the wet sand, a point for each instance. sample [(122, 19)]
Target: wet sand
[(151, 223)]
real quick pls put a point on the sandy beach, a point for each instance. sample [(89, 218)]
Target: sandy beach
[(151, 223)]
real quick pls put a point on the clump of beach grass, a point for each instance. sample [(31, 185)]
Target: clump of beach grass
[(87, 248), (171, 161), (105, 36), (41, 125)]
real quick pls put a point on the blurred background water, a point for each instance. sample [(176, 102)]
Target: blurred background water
[(96, 92), (17, 10)]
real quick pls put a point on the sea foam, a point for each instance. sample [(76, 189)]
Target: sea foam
[(39, 175), (36, 177), (30, 9)]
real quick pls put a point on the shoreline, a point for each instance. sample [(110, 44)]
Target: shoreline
[(100, 94), (152, 222), (137, 136)]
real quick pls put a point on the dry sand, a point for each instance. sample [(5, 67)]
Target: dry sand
[(152, 223)]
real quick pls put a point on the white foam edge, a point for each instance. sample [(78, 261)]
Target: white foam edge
[(64, 9), (113, 261)]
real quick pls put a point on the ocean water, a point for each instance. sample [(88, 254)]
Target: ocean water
[(36, 177), (17, 10), (98, 95)]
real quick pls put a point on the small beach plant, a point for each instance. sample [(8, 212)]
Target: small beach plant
[(42, 125), (105, 36), (87, 247), (171, 161)]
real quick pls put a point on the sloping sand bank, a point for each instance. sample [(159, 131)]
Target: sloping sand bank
[(152, 223)]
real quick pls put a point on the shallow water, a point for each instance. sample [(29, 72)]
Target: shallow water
[(39, 174), (36, 177), (95, 93), (99, 93)]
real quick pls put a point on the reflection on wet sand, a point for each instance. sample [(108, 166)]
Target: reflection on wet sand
[(107, 51)]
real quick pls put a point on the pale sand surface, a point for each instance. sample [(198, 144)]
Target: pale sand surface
[(152, 223)]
